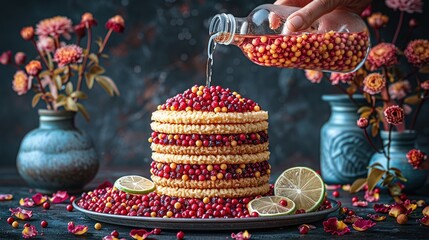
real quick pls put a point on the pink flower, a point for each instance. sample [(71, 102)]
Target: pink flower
[(341, 77), (374, 83), (383, 54), (27, 33), (6, 58), (116, 24), (362, 122), (20, 58), (394, 115), (68, 54), (55, 27), (416, 157), (363, 225), (417, 52), (33, 67), (21, 83), (409, 6), (46, 44), (313, 76), (335, 227), (378, 20), (399, 90), (425, 85), (29, 231)]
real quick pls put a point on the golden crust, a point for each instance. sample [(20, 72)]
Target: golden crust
[(211, 159), (208, 184), (221, 192), (209, 128), (221, 150), (199, 117)]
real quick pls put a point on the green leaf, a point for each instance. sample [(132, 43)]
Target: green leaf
[(357, 185), (374, 129), (365, 114), (71, 105), (96, 70), (93, 58), (374, 176), (83, 110), (79, 95), (59, 71), (44, 74), (414, 99), (364, 109), (69, 88), (89, 80), (387, 180), (36, 99), (58, 81), (424, 69), (108, 85)]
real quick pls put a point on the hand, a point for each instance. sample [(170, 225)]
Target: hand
[(312, 10)]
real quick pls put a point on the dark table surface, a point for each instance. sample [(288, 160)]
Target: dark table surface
[(58, 217)]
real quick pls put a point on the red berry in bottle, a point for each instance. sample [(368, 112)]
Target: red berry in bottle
[(180, 235), (46, 205), (44, 224), (10, 220), (157, 231), (115, 233), (336, 194), (69, 207)]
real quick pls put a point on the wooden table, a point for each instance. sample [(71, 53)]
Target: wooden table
[(58, 217)]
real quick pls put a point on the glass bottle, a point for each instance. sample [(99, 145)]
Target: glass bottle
[(336, 42)]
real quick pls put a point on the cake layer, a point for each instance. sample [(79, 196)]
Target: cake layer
[(222, 150), (220, 192), (211, 159), (198, 117), (209, 184), (209, 128)]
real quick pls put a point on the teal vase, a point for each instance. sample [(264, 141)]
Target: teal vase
[(401, 143), (344, 150), (57, 155)]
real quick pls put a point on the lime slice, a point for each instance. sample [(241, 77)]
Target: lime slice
[(303, 185), (134, 184), (270, 206)]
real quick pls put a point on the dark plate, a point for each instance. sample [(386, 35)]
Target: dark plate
[(210, 224)]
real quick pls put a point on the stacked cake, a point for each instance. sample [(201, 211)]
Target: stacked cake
[(210, 142)]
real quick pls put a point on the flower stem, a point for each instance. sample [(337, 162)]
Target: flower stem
[(371, 142), (388, 146), (85, 58), (43, 91), (106, 38), (40, 54), (377, 34), (419, 107), (398, 28)]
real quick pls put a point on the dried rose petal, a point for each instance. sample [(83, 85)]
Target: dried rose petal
[(371, 196), (351, 219), (424, 220), (377, 217), (77, 229), (140, 234), (105, 184), (26, 202), (333, 187), (110, 237), (382, 208), (425, 211), (29, 232), (21, 213), (39, 198), (409, 205), (335, 227), (363, 225), (360, 204), (396, 210), (59, 197), (241, 235), (6, 197)]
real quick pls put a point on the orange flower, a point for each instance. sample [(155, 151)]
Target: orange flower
[(33, 67), (21, 83), (87, 18), (116, 24), (27, 33), (417, 52), (374, 83), (68, 55)]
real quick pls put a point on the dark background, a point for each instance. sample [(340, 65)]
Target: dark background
[(162, 52)]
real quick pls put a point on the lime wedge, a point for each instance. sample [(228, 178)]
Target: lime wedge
[(303, 185), (270, 206), (134, 184)]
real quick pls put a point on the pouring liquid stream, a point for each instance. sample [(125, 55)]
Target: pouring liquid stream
[(210, 50)]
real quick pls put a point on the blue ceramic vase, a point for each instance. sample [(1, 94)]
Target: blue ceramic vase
[(401, 143), (57, 155), (344, 151)]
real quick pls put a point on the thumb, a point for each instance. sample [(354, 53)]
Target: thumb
[(304, 17)]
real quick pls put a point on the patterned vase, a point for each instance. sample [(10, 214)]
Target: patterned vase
[(57, 155), (344, 151)]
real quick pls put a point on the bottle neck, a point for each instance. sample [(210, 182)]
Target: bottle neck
[(223, 28)]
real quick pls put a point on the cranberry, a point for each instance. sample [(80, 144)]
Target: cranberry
[(376, 190), (283, 203), (303, 229), (69, 207), (26, 225), (157, 231), (351, 213), (46, 205), (72, 198), (336, 194), (44, 224), (403, 197), (180, 235), (115, 233), (10, 220), (355, 199)]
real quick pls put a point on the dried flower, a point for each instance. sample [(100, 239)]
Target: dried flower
[(140, 234), (21, 213), (46, 44), (116, 24), (88, 19), (360, 203), (378, 20), (6, 58), (55, 27), (77, 229), (417, 52), (27, 33), (383, 54), (399, 90), (363, 225), (374, 83), (409, 6), (424, 220), (20, 58), (394, 114), (241, 235), (29, 231), (397, 210), (6, 197), (425, 85), (351, 219), (21, 83), (80, 30), (26, 202), (376, 217), (382, 208), (68, 54), (313, 76), (39, 198), (335, 227), (33, 67), (425, 211), (59, 197), (341, 77), (371, 196), (362, 122), (416, 157)]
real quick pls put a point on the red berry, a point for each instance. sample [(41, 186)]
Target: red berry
[(351, 213), (283, 203), (157, 231), (26, 225), (336, 194), (69, 207), (46, 205), (254, 214), (72, 198), (355, 199), (44, 224), (180, 235), (376, 190), (10, 220), (115, 233), (303, 229), (403, 197)]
